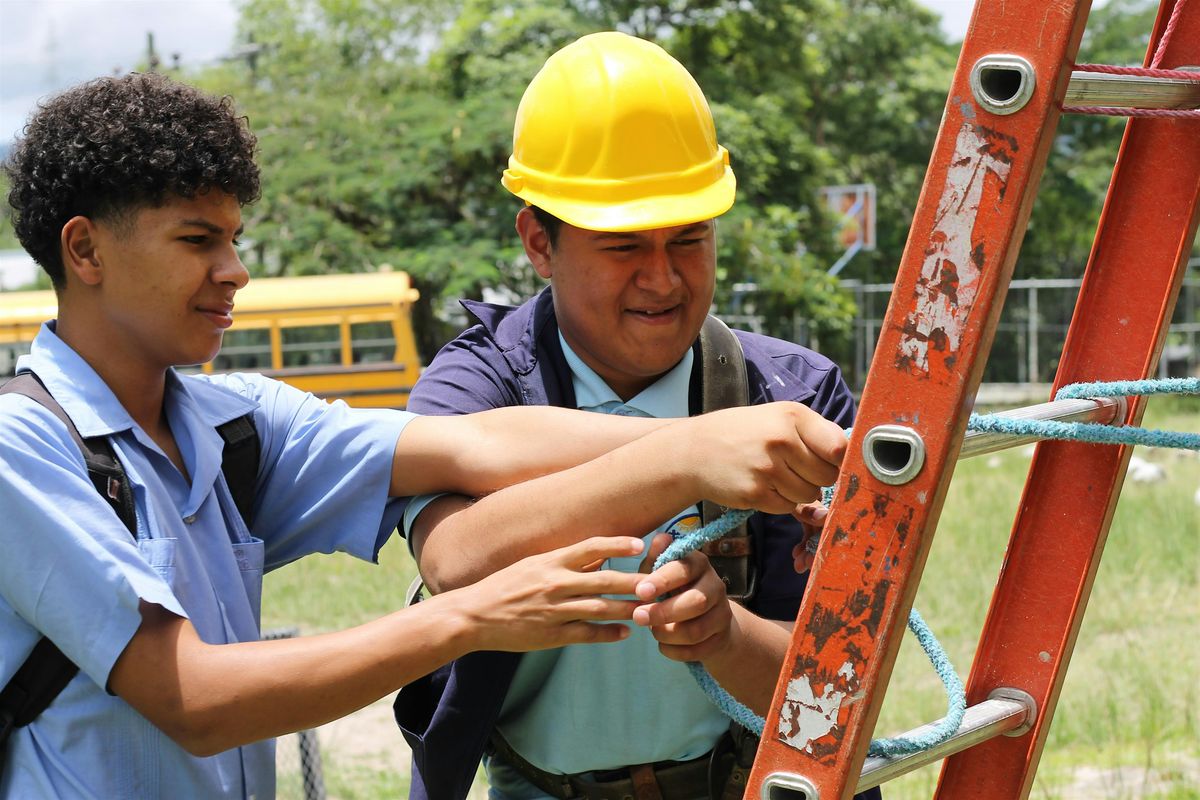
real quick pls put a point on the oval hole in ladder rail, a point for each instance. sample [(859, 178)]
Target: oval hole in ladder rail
[(1002, 84), (893, 453), (784, 786)]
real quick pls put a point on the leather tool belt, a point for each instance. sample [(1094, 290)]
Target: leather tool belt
[(720, 774)]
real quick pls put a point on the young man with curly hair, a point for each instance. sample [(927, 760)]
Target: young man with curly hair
[(128, 192)]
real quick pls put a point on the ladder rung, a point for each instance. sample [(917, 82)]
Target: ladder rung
[(1009, 712), (1006, 711), (1131, 91), (1102, 410), (896, 453)]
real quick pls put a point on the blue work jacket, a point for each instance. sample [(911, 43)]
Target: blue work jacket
[(513, 356)]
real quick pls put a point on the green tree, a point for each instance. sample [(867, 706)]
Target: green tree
[(384, 127)]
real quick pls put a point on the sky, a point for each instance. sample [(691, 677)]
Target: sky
[(49, 45)]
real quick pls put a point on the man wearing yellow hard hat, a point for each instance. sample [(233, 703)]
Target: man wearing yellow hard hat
[(616, 157)]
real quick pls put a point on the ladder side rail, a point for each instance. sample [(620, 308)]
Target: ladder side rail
[(941, 318), (1132, 281)]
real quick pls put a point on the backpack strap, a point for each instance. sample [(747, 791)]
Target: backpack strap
[(239, 463), (723, 384), (46, 671), (105, 471)]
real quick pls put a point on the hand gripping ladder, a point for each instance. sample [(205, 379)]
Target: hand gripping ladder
[(1014, 72)]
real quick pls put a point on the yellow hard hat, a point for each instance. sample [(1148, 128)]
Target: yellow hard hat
[(613, 134)]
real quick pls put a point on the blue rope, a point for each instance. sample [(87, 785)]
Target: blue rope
[(1129, 388), (956, 705), (1095, 432), (1083, 432), (744, 716)]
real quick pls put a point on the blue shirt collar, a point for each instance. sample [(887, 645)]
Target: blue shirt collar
[(665, 398), (93, 407)]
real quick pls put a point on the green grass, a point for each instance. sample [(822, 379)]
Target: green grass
[(1130, 706)]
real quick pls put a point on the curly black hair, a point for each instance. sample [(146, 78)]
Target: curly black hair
[(111, 146)]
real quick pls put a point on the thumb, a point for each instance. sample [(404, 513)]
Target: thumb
[(824, 439)]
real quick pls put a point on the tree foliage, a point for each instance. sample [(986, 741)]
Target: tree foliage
[(385, 125)]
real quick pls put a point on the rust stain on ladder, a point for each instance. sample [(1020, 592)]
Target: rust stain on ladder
[(827, 677)]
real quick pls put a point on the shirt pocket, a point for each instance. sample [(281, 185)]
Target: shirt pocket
[(250, 558), (160, 555)]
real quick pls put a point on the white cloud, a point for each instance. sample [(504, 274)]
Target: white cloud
[(49, 45)]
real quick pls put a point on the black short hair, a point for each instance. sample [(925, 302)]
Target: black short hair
[(550, 223), (111, 146)]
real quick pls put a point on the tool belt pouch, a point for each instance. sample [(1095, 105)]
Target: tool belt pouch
[(730, 763)]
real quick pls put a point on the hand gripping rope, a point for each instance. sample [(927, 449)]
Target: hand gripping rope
[(944, 728)]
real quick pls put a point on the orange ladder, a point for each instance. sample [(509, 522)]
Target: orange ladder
[(1013, 73)]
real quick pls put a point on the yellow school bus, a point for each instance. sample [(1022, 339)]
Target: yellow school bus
[(341, 337)]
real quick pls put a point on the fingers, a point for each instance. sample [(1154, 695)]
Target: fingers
[(591, 553), (824, 439), (701, 592), (787, 492), (594, 609), (672, 576), (590, 633), (813, 514), (802, 559), (693, 624)]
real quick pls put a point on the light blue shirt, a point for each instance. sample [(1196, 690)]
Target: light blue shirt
[(72, 572), (595, 707)]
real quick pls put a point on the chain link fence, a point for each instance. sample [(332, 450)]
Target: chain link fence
[(1032, 328), (299, 775)]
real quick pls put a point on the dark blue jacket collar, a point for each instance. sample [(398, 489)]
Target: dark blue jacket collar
[(527, 338)]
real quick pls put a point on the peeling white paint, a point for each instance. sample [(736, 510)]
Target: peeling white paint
[(804, 717), (942, 303)]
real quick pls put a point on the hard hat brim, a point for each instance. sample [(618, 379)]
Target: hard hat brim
[(644, 213)]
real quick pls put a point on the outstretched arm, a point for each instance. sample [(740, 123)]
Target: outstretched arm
[(209, 698), (476, 454), (770, 457)]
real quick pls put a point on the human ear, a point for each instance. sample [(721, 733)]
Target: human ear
[(80, 255), (536, 241)]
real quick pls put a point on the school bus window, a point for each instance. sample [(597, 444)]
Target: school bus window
[(372, 342), (312, 345), (244, 350)]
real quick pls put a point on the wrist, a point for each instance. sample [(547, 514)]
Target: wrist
[(455, 628), (682, 469)]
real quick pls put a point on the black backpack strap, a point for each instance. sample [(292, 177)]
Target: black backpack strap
[(239, 463), (40, 678), (103, 467), (723, 384), (46, 671)]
